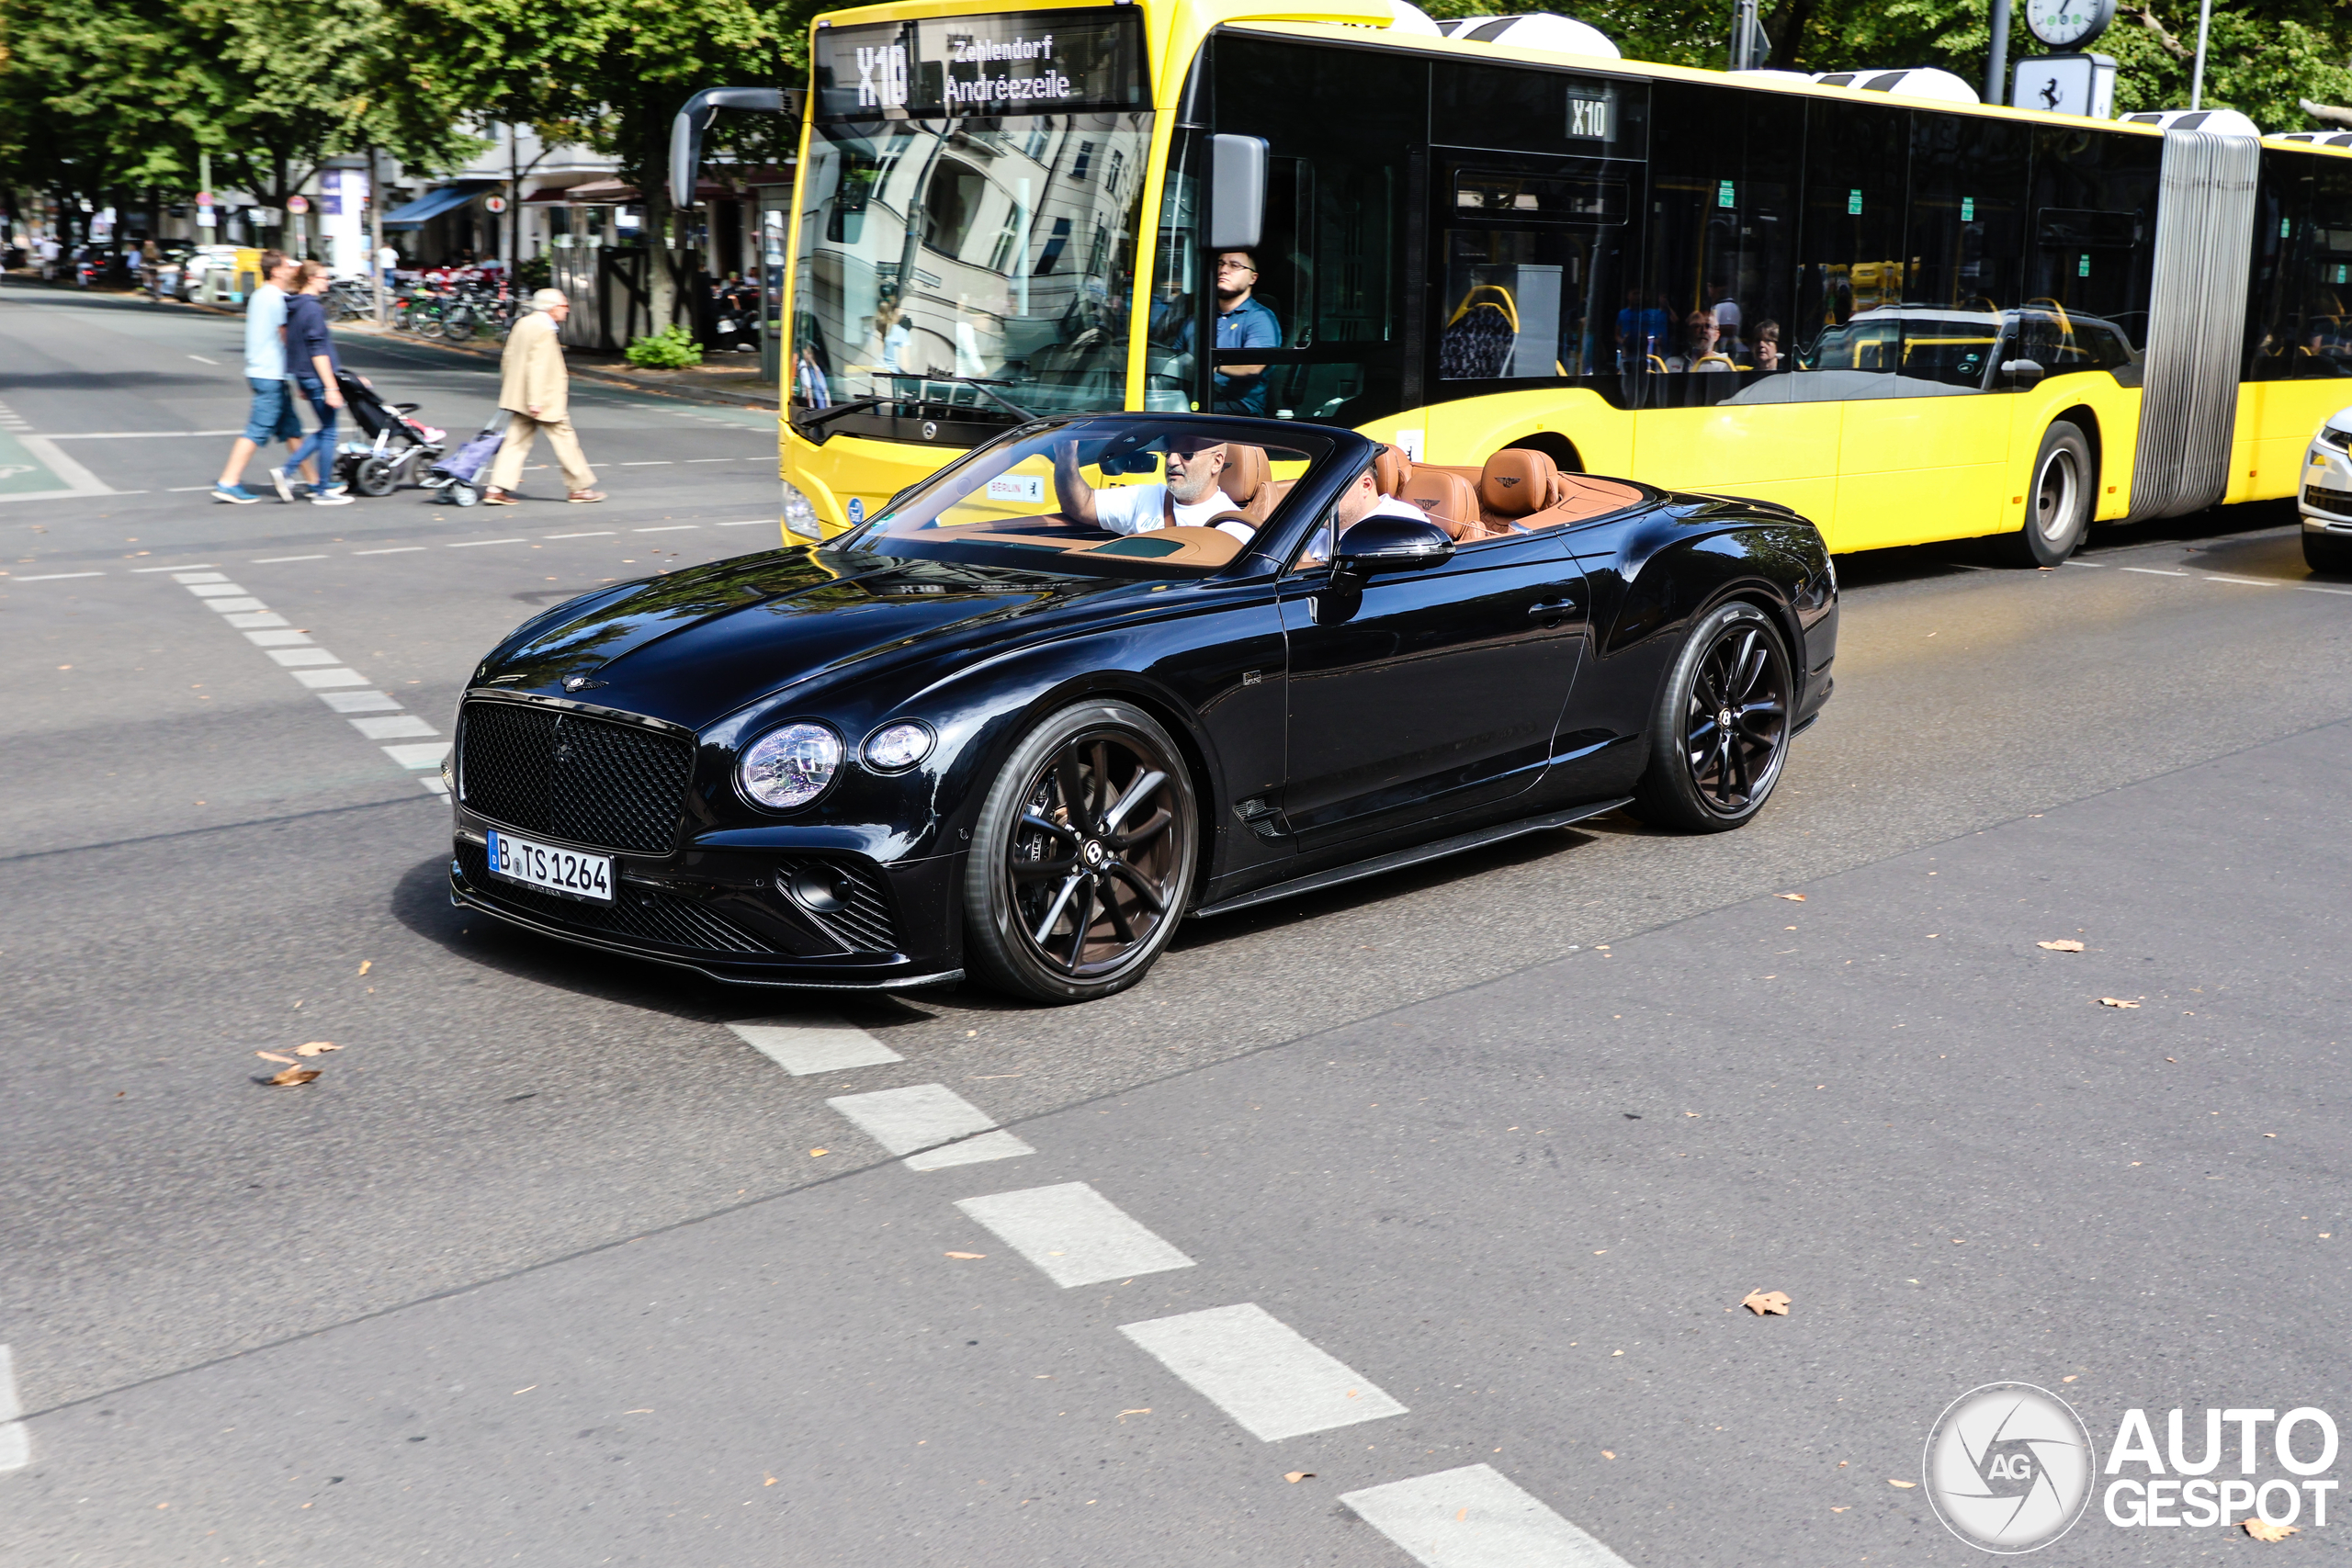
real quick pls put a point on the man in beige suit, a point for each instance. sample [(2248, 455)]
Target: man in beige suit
[(537, 393)]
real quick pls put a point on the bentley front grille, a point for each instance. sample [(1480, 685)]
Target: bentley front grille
[(572, 777)]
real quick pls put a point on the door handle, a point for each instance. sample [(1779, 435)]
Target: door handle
[(1553, 613)]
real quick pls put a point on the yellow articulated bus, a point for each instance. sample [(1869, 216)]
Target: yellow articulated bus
[(1907, 320)]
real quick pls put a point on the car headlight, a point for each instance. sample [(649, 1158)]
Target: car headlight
[(791, 766), (799, 514), (895, 747)]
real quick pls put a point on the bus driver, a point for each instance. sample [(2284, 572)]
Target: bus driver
[(1190, 497)]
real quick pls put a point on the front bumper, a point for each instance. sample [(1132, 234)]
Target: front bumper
[(2324, 496), (735, 914)]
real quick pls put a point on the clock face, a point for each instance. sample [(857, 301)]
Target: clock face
[(2065, 24)]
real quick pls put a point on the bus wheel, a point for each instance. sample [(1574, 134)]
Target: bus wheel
[(2058, 504)]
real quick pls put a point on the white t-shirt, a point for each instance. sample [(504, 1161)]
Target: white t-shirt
[(1142, 508)]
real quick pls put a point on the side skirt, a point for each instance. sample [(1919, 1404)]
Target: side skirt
[(1399, 858)]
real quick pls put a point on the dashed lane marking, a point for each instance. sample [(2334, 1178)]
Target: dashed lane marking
[(201, 360), (804, 1048), (15, 1442), (651, 463), (748, 523), (591, 534), (1476, 1517), (667, 528), (469, 544), (2154, 572), (191, 566), (1073, 1234), (932, 1123), (394, 550), (139, 436), (1262, 1373), (56, 576), (281, 560)]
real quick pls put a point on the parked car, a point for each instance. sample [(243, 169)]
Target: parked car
[(1013, 727), (2326, 498)]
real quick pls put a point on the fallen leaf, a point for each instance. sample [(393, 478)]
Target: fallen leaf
[(2069, 1379), (1606, 1454), (1461, 1515), (2116, 1002), (1145, 1410), (365, 965), (769, 1482), (1792, 897), (1841, 1510), (2262, 1529), (819, 1154), (963, 1254), (1762, 1302), (293, 1075), (274, 1056), (1295, 1476), (1906, 1485), (526, 1390), (2068, 945), (314, 1047)]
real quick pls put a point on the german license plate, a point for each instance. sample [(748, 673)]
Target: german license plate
[(557, 871)]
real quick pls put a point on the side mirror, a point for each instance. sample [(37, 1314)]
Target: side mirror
[(2023, 372), (1392, 544), (1236, 192)]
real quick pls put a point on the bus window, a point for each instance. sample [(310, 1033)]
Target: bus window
[(1849, 250), (1328, 267), (1532, 267), (2094, 215), (2305, 332), (1721, 240)]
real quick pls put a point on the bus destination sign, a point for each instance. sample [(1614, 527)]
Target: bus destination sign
[(1011, 63)]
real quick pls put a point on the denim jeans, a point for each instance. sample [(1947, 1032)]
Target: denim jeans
[(320, 443)]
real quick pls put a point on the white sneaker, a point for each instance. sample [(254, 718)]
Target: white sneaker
[(284, 486), (328, 498)]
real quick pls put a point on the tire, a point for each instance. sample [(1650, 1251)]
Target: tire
[(2058, 499), (2327, 552), (458, 325), (1036, 923), (1704, 776), (374, 475), (463, 493)]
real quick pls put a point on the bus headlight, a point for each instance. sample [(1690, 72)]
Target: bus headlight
[(799, 514)]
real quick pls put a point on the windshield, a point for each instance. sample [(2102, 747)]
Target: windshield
[(969, 271), (1122, 495)]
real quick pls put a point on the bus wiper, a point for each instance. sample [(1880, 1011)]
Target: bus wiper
[(855, 405), (985, 386)]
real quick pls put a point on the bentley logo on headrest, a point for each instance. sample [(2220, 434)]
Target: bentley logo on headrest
[(1506, 480), (1429, 504)]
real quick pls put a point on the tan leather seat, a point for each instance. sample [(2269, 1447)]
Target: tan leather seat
[(1392, 471), (1515, 484), (1248, 481), (1446, 496)]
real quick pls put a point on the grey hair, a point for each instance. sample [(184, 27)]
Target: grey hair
[(548, 298)]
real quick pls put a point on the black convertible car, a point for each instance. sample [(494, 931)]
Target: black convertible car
[(1110, 671)]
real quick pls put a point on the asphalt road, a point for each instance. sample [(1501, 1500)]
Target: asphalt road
[(546, 1267)]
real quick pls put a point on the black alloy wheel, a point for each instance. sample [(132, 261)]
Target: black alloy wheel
[(1082, 860), (1721, 731), (2058, 499)]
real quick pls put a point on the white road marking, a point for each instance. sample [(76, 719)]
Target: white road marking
[(201, 360), (192, 575), (591, 534), (667, 528), (192, 566), (217, 588), (748, 523), (1073, 1234), (415, 757), (15, 1442), (277, 639), (184, 490), (807, 1046), (281, 560), (649, 463), (392, 728), (1474, 1517), (142, 435), (433, 782), (2153, 572), (395, 550), (2246, 581), (320, 679), (469, 544), (56, 576), (231, 606), (1261, 1371), (997, 1144), (711, 459), (256, 618), (358, 702), (2315, 588), (2071, 561), (917, 1117), (296, 658), (79, 480)]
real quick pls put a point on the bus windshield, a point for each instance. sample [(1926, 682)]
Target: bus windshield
[(968, 211)]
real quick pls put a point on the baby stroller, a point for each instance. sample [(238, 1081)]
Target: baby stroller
[(463, 475), (398, 451)]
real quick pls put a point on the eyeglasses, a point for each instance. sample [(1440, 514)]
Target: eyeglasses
[(1237, 266)]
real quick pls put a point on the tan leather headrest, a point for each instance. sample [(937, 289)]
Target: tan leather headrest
[(1516, 481), (1246, 472), (1391, 470), (1441, 494)]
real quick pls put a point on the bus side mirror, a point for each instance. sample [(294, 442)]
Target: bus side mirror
[(1236, 192)]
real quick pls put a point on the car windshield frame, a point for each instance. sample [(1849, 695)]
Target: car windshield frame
[(1301, 456)]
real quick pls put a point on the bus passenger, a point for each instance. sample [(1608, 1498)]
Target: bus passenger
[(1241, 322), (1700, 344), (1767, 345)]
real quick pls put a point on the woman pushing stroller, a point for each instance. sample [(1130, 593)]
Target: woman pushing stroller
[(310, 354)]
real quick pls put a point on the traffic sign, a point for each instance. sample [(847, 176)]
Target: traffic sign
[(496, 204), (298, 204), (204, 199)]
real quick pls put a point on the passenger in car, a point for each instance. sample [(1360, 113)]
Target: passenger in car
[(1192, 496), (1370, 496)]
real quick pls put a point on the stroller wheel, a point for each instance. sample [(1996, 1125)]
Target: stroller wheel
[(464, 494), (375, 475)]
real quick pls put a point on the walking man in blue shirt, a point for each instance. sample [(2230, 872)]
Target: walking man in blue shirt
[(272, 418), (1241, 322)]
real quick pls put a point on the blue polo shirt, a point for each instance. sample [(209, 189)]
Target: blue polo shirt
[(1249, 324)]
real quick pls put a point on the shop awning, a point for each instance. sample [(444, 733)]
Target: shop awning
[(434, 203)]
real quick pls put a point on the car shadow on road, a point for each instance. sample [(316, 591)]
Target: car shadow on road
[(2227, 538)]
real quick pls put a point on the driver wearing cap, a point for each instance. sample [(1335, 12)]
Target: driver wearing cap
[(1190, 498)]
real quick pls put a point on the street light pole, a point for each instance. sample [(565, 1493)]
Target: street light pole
[(2196, 79), (1996, 59)]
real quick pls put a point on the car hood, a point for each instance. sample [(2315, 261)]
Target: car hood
[(699, 644)]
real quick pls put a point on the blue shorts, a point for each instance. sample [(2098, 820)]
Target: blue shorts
[(272, 418)]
